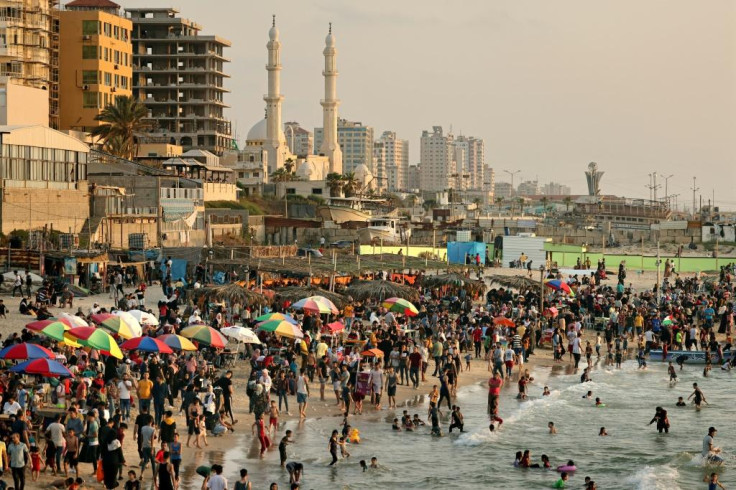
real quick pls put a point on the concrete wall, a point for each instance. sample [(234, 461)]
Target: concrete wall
[(23, 105), (220, 192), (114, 231), (33, 208)]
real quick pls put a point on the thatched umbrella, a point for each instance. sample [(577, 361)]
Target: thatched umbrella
[(381, 290), (514, 282), (455, 280), (295, 293), (233, 293)]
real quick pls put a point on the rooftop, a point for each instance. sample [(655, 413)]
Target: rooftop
[(102, 4)]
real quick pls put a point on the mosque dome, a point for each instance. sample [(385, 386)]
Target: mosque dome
[(259, 132), (363, 174)]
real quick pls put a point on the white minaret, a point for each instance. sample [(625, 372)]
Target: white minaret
[(273, 143), (330, 147)]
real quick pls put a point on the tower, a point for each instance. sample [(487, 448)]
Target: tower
[(330, 147), (274, 138), (594, 176)]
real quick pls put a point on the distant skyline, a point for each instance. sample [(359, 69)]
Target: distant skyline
[(637, 86)]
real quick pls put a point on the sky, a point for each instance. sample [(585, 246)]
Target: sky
[(638, 86)]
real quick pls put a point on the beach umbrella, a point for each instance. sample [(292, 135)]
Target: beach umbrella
[(668, 320), (504, 321), (96, 338), (143, 317), (132, 322), (119, 326), (399, 305), (316, 304), (372, 353), (276, 316), (334, 327), (54, 330), (26, 351), (205, 334), (72, 320), (550, 312), (282, 328), (177, 342), (42, 367), (146, 344), (241, 334), (39, 325), (558, 285), (295, 293)]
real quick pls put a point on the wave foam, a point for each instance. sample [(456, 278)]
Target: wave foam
[(655, 478)]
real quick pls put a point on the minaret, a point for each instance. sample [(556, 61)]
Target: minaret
[(273, 102), (330, 147)]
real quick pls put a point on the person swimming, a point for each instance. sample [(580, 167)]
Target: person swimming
[(599, 403), (589, 394), (396, 425), (545, 462), (680, 402), (546, 391), (552, 428), (603, 432)]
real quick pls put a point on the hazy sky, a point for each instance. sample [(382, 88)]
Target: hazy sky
[(635, 85)]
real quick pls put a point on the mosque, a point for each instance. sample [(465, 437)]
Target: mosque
[(266, 141)]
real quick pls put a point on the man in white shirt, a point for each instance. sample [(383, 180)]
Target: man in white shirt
[(55, 431), (11, 407), (216, 481)]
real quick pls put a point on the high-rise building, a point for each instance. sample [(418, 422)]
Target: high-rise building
[(394, 167), (470, 162), (489, 183), (300, 140), (529, 188), (503, 190), (379, 166), (437, 158), (555, 189), (26, 61), (413, 178), (95, 62), (178, 74), (356, 142)]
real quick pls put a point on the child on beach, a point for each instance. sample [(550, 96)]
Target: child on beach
[(619, 356), (395, 425), (344, 448), (36, 463), (435, 418), (71, 453), (133, 482), (282, 447), (273, 418), (673, 374)]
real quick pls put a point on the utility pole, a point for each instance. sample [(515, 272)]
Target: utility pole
[(694, 189), (666, 189), (653, 186), (512, 173)]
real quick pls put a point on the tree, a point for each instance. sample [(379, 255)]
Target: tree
[(350, 184), (477, 201), (123, 120), (545, 201), (289, 165), (568, 201), (334, 182), (411, 200), (499, 202), (282, 175)]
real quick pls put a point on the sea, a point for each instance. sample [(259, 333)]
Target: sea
[(633, 456)]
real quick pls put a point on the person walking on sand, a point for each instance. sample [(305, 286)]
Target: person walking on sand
[(259, 427), (302, 393)]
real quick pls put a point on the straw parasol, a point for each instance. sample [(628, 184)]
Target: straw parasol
[(233, 293), (381, 290), (456, 280), (295, 293), (514, 282)]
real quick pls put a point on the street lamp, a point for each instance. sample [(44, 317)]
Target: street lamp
[(512, 173)]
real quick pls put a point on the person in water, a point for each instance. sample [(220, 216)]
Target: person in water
[(673, 374), (552, 428), (699, 396), (517, 458), (546, 391), (713, 483), (589, 394), (561, 482), (663, 423), (710, 452), (545, 462), (599, 403), (680, 402), (396, 425), (526, 460), (603, 432)]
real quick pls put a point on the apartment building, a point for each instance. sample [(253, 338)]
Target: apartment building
[(95, 62), (299, 140), (356, 142), (391, 157), (437, 159), (179, 75)]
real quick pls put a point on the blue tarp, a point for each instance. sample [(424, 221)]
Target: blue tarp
[(178, 270), (457, 251)]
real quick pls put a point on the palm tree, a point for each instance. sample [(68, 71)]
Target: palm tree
[(282, 175), (334, 182), (499, 201), (289, 165), (350, 184), (521, 205), (568, 201), (544, 201), (123, 120)]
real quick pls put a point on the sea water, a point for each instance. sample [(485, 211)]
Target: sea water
[(633, 456)]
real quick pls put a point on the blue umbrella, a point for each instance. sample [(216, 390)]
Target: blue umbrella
[(43, 367)]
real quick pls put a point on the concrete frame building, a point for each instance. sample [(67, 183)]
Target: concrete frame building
[(96, 62), (179, 75), (300, 140), (396, 161), (28, 59), (356, 143), (437, 159)]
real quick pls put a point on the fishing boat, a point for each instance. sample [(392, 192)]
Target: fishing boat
[(691, 356), (386, 230)]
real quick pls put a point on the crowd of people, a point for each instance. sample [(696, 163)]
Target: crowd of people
[(56, 425)]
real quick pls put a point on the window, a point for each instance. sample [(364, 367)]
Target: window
[(89, 100), (90, 27), (317, 191), (107, 54), (89, 77), (89, 52), (290, 190), (116, 32), (108, 29), (108, 79)]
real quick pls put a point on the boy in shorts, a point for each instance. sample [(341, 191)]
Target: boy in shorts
[(282, 447), (71, 456)]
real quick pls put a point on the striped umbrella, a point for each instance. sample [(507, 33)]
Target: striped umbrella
[(276, 316), (316, 304), (55, 330), (146, 344), (143, 317), (97, 339), (241, 334), (282, 328), (177, 342), (399, 305), (26, 351), (131, 321), (115, 324), (206, 335), (73, 320), (558, 285), (39, 325)]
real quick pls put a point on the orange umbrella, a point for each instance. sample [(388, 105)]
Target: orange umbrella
[(502, 320), (372, 353)]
